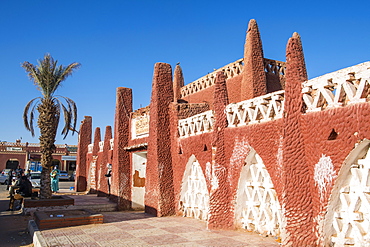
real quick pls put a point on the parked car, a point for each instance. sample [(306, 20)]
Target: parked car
[(35, 179), (3, 178), (64, 175)]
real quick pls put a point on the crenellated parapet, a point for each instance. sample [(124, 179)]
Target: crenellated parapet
[(260, 109), (274, 67), (230, 71), (340, 88), (197, 124), (257, 110)]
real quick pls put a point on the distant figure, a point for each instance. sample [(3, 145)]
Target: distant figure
[(27, 173), (25, 190), (108, 175), (10, 178), (19, 171), (55, 179)]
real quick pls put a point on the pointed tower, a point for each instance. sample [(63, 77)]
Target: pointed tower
[(297, 197), (121, 167), (84, 140), (103, 161), (94, 164), (178, 83), (220, 208), (159, 190), (254, 77)]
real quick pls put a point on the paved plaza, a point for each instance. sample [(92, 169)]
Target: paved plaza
[(127, 228), (140, 229)]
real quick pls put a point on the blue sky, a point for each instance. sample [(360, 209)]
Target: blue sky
[(118, 43)]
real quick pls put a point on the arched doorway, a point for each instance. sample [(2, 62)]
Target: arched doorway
[(347, 221), (257, 207), (12, 164), (194, 195)]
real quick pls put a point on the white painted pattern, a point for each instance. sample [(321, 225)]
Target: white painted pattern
[(343, 87), (101, 146), (111, 144), (90, 148), (194, 197), (259, 109), (257, 207), (230, 71), (196, 125), (349, 208)]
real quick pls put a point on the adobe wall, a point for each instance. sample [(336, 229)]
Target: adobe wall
[(291, 139)]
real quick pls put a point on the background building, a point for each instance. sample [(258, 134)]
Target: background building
[(28, 156)]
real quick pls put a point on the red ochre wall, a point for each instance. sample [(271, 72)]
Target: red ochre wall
[(290, 148)]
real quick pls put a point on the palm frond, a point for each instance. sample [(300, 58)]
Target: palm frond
[(67, 121), (72, 109), (31, 123), (28, 122)]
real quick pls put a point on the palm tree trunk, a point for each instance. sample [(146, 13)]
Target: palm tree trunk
[(48, 124)]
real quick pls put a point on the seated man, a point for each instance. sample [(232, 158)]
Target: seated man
[(15, 185), (25, 190)]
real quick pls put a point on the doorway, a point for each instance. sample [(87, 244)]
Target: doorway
[(12, 164), (138, 180)]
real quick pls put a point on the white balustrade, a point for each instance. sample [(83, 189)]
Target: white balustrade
[(259, 109), (274, 67), (340, 88), (231, 70), (197, 124)]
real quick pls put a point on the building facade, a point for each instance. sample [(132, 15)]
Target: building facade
[(253, 145), (28, 156)]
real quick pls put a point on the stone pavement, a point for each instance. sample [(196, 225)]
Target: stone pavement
[(140, 229)]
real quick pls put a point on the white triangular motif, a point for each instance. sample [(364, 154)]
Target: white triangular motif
[(257, 207)]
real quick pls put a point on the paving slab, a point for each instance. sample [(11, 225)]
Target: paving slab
[(140, 229)]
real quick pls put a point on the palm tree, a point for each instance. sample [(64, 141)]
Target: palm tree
[(47, 77)]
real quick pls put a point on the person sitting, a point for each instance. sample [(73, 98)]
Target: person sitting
[(25, 190), (15, 185)]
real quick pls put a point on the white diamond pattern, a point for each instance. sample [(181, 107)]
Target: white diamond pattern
[(351, 221), (257, 202), (194, 193)]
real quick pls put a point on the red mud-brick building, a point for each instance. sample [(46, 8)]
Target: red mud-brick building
[(253, 145)]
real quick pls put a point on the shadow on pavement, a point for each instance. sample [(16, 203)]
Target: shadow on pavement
[(13, 225)]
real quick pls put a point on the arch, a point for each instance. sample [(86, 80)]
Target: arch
[(347, 221), (12, 164), (257, 207), (194, 195)]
